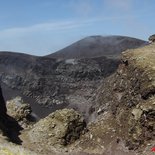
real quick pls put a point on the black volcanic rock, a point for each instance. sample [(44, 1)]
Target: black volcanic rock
[(95, 46), (52, 83), (8, 125), (152, 38), (3, 109)]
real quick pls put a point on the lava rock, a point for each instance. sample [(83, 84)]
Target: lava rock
[(18, 109), (58, 129), (3, 109), (152, 38)]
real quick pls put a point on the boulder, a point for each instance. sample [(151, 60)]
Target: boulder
[(19, 110), (152, 38), (58, 129)]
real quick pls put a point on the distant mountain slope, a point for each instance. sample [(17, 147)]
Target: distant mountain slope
[(55, 83), (95, 46)]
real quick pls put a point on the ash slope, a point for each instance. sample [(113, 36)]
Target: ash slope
[(95, 46)]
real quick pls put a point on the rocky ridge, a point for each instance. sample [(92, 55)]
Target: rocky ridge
[(126, 99)]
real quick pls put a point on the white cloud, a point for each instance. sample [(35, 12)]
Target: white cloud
[(40, 37), (51, 26)]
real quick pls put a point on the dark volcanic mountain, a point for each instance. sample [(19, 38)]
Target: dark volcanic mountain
[(48, 83), (95, 46)]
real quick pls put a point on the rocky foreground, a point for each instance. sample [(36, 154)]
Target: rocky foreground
[(125, 106), (122, 117)]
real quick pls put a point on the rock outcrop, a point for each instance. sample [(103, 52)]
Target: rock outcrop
[(20, 111), (152, 38), (57, 130)]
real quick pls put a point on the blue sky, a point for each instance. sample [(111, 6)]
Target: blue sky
[(40, 27)]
